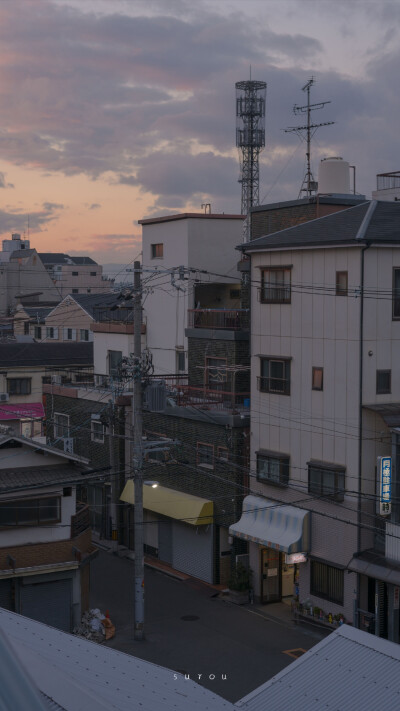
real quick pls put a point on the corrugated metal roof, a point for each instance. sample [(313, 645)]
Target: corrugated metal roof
[(78, 674), (348, 670)]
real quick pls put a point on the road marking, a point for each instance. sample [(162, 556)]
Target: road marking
[(295, 653)]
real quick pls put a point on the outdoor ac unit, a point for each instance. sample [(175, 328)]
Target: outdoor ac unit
[(155, 396), (4, 397), (56, 379), (69, 445)]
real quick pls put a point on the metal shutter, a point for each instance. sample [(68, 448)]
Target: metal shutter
[(49, 602), (165, 539), (6, 595), (192, 551)]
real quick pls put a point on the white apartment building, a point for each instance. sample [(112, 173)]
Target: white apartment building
[(203, 243), (75, 275), (325, 403)]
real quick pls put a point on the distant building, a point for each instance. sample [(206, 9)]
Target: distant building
[(75, 275), (387, 186)]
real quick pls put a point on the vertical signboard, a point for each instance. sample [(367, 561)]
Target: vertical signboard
[(385, 485)]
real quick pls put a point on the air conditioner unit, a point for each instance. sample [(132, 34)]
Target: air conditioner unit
[(69, 445), (4, 397), (56, 379), (155, 396)]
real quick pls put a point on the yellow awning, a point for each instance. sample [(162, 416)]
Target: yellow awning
[(172, 503)]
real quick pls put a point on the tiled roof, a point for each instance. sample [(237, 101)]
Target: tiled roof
[(90, 302), (36, 354), (22, 477), (381, 226)]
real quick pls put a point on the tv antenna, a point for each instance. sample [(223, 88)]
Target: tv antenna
[(309, 186)]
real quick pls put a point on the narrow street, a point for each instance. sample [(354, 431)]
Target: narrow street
[(191, 631)]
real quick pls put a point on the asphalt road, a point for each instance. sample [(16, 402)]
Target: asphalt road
[(223, 639)]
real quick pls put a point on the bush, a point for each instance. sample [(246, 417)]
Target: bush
[(240, 578)]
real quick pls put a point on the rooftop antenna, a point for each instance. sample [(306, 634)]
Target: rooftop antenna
[(309, 186), (250, 140)]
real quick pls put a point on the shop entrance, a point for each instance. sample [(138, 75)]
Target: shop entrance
[(277, 576)]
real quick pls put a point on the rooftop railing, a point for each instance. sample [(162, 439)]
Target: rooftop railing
[(207, 399)]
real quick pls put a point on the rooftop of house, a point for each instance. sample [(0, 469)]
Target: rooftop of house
[(16, 478), (191, 215), (371, 222), (314, 199), (91, 302), (45, 354), (50, 258)]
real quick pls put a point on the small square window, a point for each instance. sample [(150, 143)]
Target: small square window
[(341, 283), (383, 382), (75, 291), (317, 378), (93, 273), (157, 250), (75, 273)]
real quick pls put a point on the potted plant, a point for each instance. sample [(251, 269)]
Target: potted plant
[(239, 584)]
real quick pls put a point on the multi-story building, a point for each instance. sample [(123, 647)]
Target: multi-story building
[(325, 394), (45, 536), (75, 275)]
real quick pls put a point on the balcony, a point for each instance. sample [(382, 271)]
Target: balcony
[(219, 319), (206, 399)]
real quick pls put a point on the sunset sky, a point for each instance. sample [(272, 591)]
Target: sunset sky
[(115, 110)]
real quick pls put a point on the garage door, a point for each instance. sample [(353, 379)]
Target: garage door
[(192, 548), (48, 602)]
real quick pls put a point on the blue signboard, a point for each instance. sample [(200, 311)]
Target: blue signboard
[(385, 485)]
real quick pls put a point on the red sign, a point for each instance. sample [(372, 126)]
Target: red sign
[(30, 410)]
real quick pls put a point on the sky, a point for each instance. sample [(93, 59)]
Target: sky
[(116, 110)]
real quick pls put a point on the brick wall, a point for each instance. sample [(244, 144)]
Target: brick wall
[(46, 553)]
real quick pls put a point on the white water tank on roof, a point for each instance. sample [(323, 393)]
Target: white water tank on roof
[(334, 177)]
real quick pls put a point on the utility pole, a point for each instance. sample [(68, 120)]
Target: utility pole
[(138, 454), (308, 186), (113, 474)]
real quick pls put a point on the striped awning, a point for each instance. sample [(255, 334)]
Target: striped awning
[(284, 528)]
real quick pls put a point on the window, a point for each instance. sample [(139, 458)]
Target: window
[(276, 285), (275, 376), (26, 328), (84, 334), (326, 480), (317, 378), (223, 454), (75, 273), (89, 291), (38, 332), (75, 291), (216, 373), (383, 382), (19, 386), (30, 512), (114, 362), (93, 273), (327, 582), (68, 333), (97, 431), (157, 250), (396, 294), (51, 332), (61, 425), (341, 283), (205, 455), (180, 361), (273, 468)]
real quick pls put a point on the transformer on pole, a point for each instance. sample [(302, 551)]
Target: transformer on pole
[(250, 140)]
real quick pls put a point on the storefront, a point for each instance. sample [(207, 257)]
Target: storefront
[(279, 540)]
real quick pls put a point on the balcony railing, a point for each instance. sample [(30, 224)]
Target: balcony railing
[(81, 520), (207, 399), (227, 319)]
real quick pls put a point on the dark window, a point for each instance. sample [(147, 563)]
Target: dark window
[(26, 328), (396, 294), (19, 386), (273, 468), (69, 334), (383, 382), (89, 291), (114, 363), (223, 454), (51, 332), (327, 582), (205, 455), (341, 283), (30, 512), (157, 251), (180, 361), (38, 332), (326, 481), (275, 376), (234, 294), (61, 425), (84, 334), (93, 273), (317, 378), (97, 431), (276, 285), (75, 273), (75, 291)]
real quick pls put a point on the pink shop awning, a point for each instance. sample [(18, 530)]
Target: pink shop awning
[(30, 410)]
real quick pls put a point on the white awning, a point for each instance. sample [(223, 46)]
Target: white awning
[(284, 528)]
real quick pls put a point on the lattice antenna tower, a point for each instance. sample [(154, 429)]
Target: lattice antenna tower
[(250, 140), (309, 186)]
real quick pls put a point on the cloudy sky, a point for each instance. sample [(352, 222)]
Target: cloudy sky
[(114, 110)]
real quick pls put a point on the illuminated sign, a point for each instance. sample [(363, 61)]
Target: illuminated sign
[(385, 485), (292, 558)]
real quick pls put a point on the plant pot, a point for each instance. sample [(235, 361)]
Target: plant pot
[(239, 597)]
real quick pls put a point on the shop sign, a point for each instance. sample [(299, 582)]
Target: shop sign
[(385, 485), (292, 558)]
